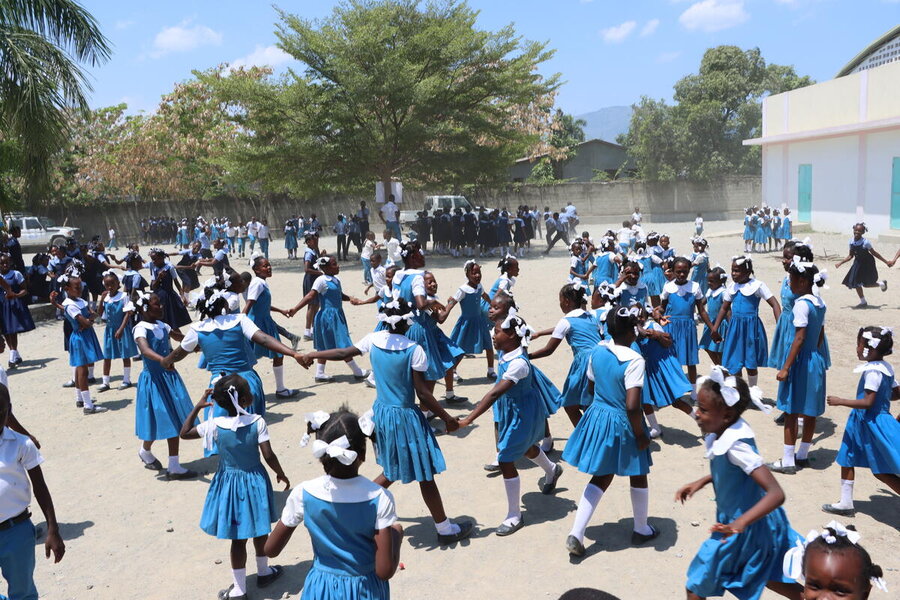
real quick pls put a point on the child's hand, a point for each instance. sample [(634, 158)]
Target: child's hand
[(782, 375), (283, 479), (303, 360), (643, 442), (54, 544), (837, 265), (834, 401), (203, 402), (354, 301), (118, 334), (686, 492), (452, 424), (10, 295), (727, 530)]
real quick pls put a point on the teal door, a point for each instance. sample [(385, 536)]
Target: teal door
[(804, 194), (895, 195)]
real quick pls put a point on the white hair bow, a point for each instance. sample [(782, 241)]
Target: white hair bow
[(728, 389), (471, 261), (322, 261), (801, 265), (141, 298), (873, 340), (339, 449), (367, 423), (792, 564), (109, 272), (740, 260), (315, 421), (521, 328), (210, 433), (632, 311)]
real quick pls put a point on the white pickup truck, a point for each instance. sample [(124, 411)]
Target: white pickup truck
[(432, 205), (38, 233)]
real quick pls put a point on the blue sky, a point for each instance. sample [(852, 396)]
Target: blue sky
[(610, 52)]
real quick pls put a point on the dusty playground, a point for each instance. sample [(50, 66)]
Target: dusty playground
[(130, 535)]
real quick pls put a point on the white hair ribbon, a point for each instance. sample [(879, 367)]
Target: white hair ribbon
[(366, 423), (142, 298), (109, 273), (322, 261), (315, 421), (740, 260), (801, 265), (728, 389), (885, 331), (874, 340), (632, 311), (339, 449), (471, 261), (723, 276), (792, 564), (521, 328)]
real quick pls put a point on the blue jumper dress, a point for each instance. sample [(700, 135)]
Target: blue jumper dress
[(162, 402), (746, 345), (472, 331), (804, 390), (872, 435), (580, 330)]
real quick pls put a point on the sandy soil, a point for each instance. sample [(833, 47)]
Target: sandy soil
[(130, 535)]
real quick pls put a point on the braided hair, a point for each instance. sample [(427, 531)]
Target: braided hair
[(838, 542), (880, 339), (339, 424), (575, 293), (213, 301)]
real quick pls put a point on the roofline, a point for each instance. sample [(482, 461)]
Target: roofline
[(856, 60), (827, 132), (543, 154)]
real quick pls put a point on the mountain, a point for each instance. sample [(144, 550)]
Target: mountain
[(606, 123)]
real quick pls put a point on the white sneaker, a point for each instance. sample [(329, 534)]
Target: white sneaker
[(655, 433), (324, 378), (862, 304)]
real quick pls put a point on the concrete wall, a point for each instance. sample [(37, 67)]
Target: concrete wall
[(674, 201)]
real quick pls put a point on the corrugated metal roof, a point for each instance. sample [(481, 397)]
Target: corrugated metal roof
[(859, 58)]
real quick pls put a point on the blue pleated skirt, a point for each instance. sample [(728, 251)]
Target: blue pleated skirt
[(406, 447), (782, 339), (438, 364), (664, 382), (328, 584), (520, 424), (706, 341), (330, 330), (239, 504), (684, 339), (746, 344), (161, 404), (803, 393), (603, 444), (871, 442), (124, 347), (267, 325), (15, 316), (575, 390), (84, 349), (472, 334)]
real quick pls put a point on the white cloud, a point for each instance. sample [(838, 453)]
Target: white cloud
[(713, 15), (650, 27), (617, 33), (262, 56), (124, 24), (181, 38), (667, 57)]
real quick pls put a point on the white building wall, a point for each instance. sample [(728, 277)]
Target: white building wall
[(882, 148)]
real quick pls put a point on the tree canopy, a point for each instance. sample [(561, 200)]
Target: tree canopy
[(390, 89), (700, 136)]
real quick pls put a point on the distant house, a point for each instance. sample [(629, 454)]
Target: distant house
[(589, 156)]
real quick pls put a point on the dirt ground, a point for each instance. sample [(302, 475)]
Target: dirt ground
[(131, 535)]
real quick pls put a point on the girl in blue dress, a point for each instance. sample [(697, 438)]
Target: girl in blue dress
[(521, 413), (606, 263), (352, 521), (699, 262), (290, 239), (664, 381), (748, 231), (653, 273), (118, 342), (240, 504), (746, 345), (760, 237), (645, 259), (667, 251), (162, 402), (14, 314), (450, 353), (784, 328), (259, 308), (407, 448), (801, 388), (472, 331), (630, 287), (776, 229), (162, 277), (509, 270), (580, 265), (311, 274), (862, 273), (681, 297), (751, 535), (330, 326), (787, 231), (579, 328), (872, 435), (715, 296), (132, 279), (84, 349), (611, 437)]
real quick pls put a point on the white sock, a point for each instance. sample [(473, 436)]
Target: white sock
[(846, 494), (788, 459), (354, 367), (13, 354), (91, 371), (651, 418), (545, 463), (262, 566), (279, 378), (73, 373), (547, 443), (752, 379), (175, 466), (513, 492), (449, 394), (240, 582), (146, 455), (126, 375), (491, 371), (86, 398), (803, 450), (446, 527), (371, 377), (590, 498), (640, 506), (320, 369), (106, 380)]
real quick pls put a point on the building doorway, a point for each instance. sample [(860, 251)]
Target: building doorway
[(804, 194)]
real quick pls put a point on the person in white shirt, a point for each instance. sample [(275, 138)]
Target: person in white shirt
[(366, 256), (624, 237), (252, 230), (262, 234), (636, 216), (113, 242), (231, 233), (392, 245), (698, 224), (389, 214)]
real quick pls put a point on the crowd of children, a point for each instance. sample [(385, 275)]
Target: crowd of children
[(630, 307)]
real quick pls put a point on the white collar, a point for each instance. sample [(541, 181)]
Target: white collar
[(719, 446), (234, 423), (747, 289), (622, 353), (715, 293), (633, 288), (681, 289), (876, 365), (814, 300), (219, 322), (79, 302), (574, 313), (469, 289), (508, 356), (386, 340), (399, 275), (342, 491), (158, 329)]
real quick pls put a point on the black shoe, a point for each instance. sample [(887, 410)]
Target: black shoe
[(639, 538), (491, 468), (779, 420), (550, 486), (125, 386), (223, 594), (153, 466), (802, 463), (266, 580), (465, 530), (69, 384), (92, 380), (455, 399), (844, 512), (574, 547), (778, 467), (181, 476), (504, 529)]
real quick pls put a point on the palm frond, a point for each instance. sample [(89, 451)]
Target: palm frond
[(64, 22)]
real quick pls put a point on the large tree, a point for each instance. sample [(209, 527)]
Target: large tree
[(391, 89), (43, 44), (700, 136)]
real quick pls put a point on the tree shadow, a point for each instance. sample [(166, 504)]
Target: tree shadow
[(825, 428), (423, 536), (115, 405), (822, 458), (882, 508), (272, 417), (68, 531), (613, 537)]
